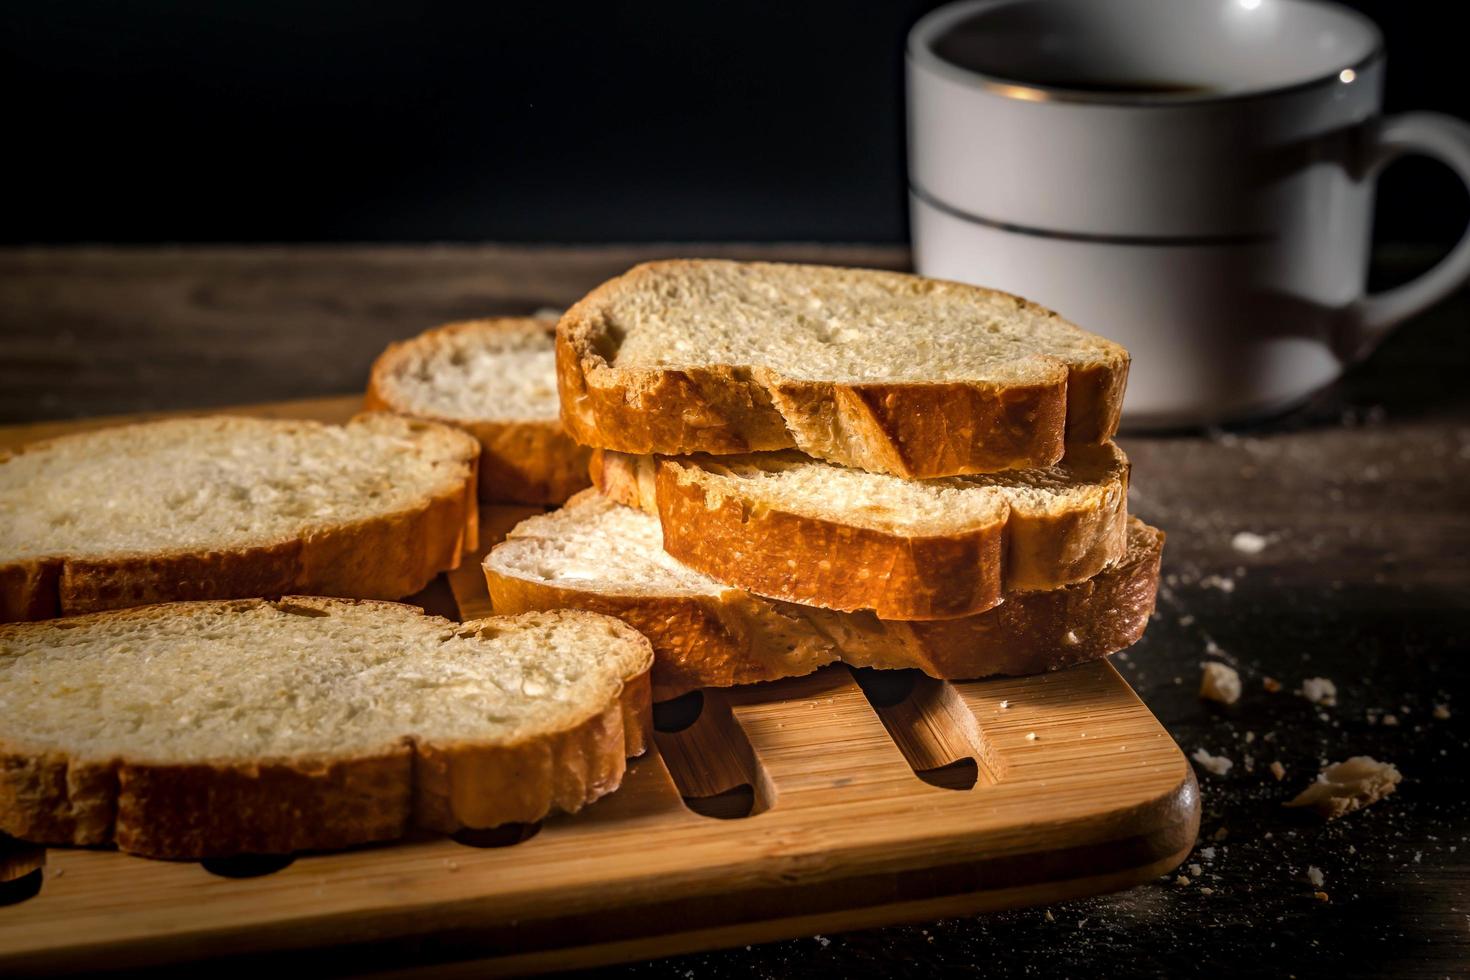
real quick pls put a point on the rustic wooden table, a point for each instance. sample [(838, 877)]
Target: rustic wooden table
[(1363, 498)]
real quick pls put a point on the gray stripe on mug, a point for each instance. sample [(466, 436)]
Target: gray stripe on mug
[(1082, 236)]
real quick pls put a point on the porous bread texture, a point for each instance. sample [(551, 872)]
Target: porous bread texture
[(877, 370), (502, 368), (226, 507), (189, 730), (789, 527), (496, 379), (843, 325), (599, 555)]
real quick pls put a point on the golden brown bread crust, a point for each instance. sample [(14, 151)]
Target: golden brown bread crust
[(522, 462), (277, 806), (812, 561), (738, 638), (528, 462), (1095, 402), (788, 556), (388, 556), (910, 429), (1029, 632)]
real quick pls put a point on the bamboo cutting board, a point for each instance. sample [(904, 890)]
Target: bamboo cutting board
[(835, 801)]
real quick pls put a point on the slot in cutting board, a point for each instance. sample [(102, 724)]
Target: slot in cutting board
[(835, 801)]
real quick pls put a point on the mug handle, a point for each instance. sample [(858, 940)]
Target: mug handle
[(1443, 138)]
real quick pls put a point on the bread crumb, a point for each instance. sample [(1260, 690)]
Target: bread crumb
[(1217, 765), (1071, 639), (1271, 684), (1351, 785), (1031, 736), (1320, 896), (1248, 542), (1320, 690), (1048, 916), (1196, 869), (1278, 770), (1208, 853), (1181, 881), (1441, 712), (1219, 682), (1207, 891), (1004, 705), (1226, 585), (1391, 720), (1315, 876)]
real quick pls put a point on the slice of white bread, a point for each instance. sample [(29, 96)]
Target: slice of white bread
[(223, 507), (496, 379), (599, 555), (790, 527), (880, 371), (204, 729)]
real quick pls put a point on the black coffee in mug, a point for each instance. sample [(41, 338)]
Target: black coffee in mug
[(997, 52), (1119, 86)]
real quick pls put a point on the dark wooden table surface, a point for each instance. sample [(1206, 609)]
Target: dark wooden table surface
[(1363, 497)]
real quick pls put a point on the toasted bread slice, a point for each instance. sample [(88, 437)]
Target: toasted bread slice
[(496, 379), (203, 729), (789, 527), (880, 371), (598, 555), (225, 507)]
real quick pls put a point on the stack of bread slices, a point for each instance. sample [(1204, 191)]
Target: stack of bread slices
[(788, 466), (794, 465)]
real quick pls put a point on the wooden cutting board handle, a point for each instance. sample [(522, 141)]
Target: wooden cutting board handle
[(18, 859)]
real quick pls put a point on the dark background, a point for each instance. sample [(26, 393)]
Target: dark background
[(263, 120)]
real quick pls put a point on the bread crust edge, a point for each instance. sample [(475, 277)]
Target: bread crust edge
[(780, 554)]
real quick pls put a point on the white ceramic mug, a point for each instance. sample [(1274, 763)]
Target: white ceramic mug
[(1191, 178)]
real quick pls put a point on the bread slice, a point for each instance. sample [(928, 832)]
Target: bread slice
[(226, 507), (496, 379), (204, 729), (598, 555), (880, 371), (789, 527)]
